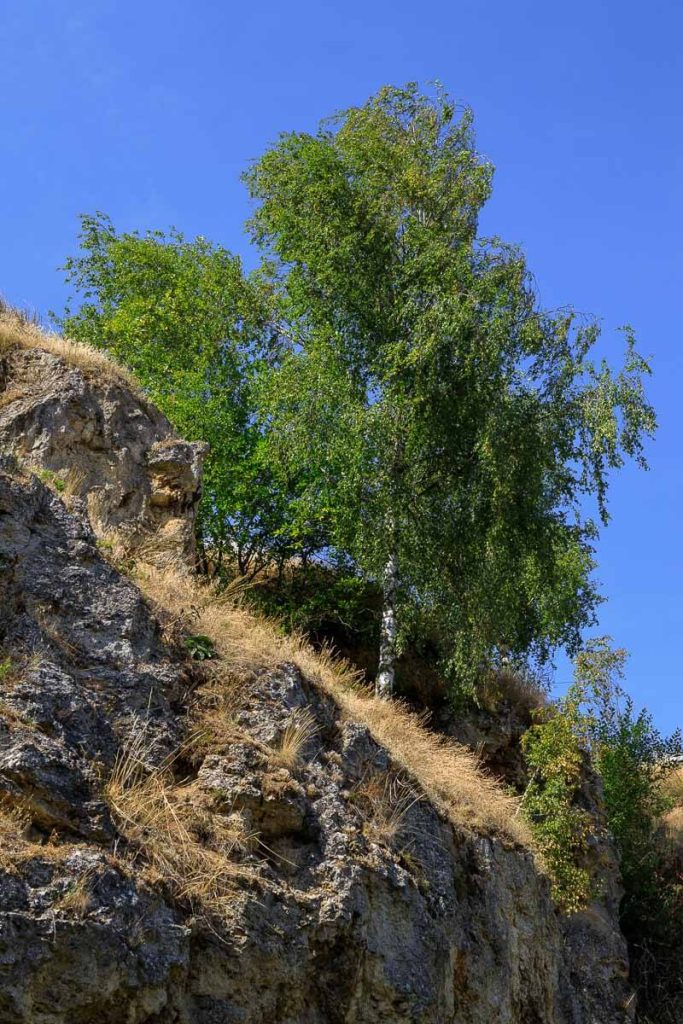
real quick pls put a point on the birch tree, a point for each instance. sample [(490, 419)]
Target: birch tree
[(448, 428)]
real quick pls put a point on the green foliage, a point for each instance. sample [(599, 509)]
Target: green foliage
[(553, 752), (597, 719), (635, 761), (51, 479), (201, 647), (435, 414), (385, 389), (330, 603), (185, 319)]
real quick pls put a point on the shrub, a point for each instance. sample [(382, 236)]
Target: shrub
[(635, 762), (597, 719), (552, 748)]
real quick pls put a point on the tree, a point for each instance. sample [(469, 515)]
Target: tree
[(447, 428), (183, 316)]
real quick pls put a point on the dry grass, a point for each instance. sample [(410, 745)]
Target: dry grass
[(301, 728), (11, 394), (77, 899), (13, 824), (20, 331), (17, 842), (212, 715), (384, 802), (523, 691), (15, 667), (74, 482), (179, 843), (450, 775), (673, 786), (13, 718), (43, 616), (673, 823), (115, 549), (64, 484), (97, 509)]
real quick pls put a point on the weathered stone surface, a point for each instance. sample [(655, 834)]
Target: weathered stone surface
[(348, 920), (115, 451)]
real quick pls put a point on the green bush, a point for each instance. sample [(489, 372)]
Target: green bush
[(552, 748), (634, 761), (597, 720)]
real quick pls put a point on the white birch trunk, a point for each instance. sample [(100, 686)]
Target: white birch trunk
[(384, 684)]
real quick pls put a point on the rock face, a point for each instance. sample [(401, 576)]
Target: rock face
[(100, 442), (361, 903)]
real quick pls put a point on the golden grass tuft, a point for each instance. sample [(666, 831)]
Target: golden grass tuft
[(74, 482), (18, 330), (384, 802), (98, 505), (11, 394), (301, 728), (13, 825), (522, 690), (673, 824), (672, 788), (17, 842), (447, 773), (212, 714), (190, 850), (77, 899)]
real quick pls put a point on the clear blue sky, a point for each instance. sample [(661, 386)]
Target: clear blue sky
[(150, 110)]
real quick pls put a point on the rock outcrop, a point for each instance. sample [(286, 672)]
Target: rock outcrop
[(95, 439), (354, 899)]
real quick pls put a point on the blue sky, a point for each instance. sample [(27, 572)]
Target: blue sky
[(150, 110)]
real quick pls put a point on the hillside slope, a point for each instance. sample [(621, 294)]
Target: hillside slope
[(251, 838)]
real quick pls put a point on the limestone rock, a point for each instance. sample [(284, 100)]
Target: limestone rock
[(345, 917), (104, 444)]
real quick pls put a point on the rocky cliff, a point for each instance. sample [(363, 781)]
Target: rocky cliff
[(249, 839)]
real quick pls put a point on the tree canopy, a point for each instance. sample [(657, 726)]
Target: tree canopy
[(386, 388), (448, 427), (189, 323)]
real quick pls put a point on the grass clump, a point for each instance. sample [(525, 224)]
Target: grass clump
[(77, 899), (167, 831), (289, 749), (18, 330), (384, 802)]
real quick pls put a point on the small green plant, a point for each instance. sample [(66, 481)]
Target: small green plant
[(51, 480), (6, 668), (201, 647)]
